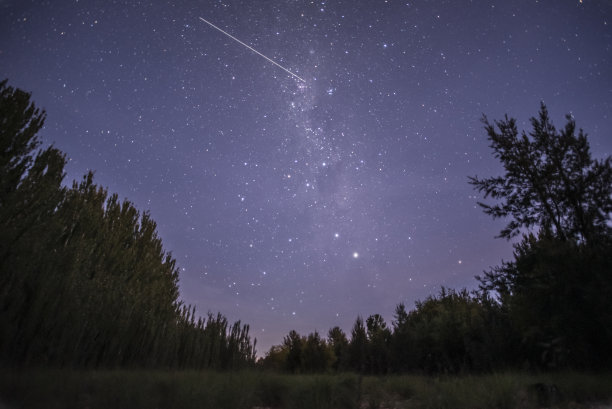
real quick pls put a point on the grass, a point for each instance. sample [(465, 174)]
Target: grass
[(252, 389), (500, 391), (166, 389)]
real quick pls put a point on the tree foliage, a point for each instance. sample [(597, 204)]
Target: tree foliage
[(449, 333), (551, 181)]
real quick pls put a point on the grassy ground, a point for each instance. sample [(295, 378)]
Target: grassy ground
[(251, 389)]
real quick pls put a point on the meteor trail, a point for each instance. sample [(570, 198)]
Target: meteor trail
[(252, 49)]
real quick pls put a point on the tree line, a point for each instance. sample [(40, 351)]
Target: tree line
[(84, 278), (446, 333), (548, 308)]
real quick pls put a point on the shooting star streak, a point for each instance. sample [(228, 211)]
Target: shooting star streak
[(252, 49)]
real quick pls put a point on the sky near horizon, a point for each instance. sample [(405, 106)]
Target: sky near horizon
[(334, 184)]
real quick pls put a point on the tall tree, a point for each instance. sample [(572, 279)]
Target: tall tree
[(557, 288), (551, 182), (316, 356), (339, 344), (358, 346), (379, 337), (402, 345), (20, 122), (30, 191), (30, 177), (294, 343)]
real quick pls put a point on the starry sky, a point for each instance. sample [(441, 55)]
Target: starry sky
[(294, 204)]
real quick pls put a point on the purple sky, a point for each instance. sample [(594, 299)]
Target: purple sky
[(293, 205)]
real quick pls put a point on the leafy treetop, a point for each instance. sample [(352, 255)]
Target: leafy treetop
[(551, 181)]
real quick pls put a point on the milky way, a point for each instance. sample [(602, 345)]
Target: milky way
[(299, 205)]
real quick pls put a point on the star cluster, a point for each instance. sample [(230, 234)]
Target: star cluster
[(299, 205)]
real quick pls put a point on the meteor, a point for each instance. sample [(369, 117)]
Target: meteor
[(252, 49)]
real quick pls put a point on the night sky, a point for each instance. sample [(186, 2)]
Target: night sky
[(299, 205)]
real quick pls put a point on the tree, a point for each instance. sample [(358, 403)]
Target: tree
[(275, 358), (452, 332), (20, 122), (30, 177), (379, 337), (30, 191), (550, 181), (316, 356), (293, 343), (337, 341), (402, 342), (556, 294), (556, 290), (358, 346)]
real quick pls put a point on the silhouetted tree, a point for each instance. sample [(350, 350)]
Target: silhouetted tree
[(316, 356), (275, 359), (402, 342), (556, 289), (30, 191), (379, 338), (550, 181), (447, 334), (339, 344), (358, 346), (293, 342), (556, 294)]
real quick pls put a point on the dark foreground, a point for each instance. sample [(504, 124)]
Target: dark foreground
[(253, 389)]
